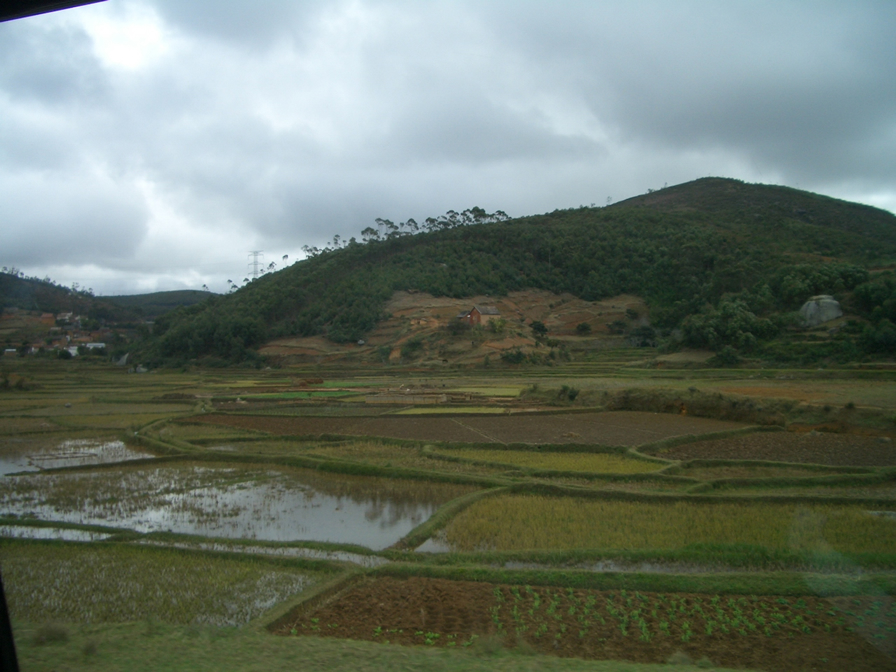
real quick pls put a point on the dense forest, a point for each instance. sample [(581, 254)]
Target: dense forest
[(721, 262)]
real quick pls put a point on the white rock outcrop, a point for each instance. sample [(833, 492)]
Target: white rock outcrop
[(820, 309)]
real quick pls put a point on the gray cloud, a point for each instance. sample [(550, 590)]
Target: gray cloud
[(49, 65), (271, 125), (52, 219)]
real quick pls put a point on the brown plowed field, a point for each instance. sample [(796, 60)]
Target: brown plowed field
[(768, 633), (618, 428), (808, 448)]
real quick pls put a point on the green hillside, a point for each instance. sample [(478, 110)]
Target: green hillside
[(34, 294), (723, 261), (44, 295)]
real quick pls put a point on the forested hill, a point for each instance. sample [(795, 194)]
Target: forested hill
[(44, 295), (720, 258)]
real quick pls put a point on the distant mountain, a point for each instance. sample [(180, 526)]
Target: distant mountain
[(158, 303), (722, 262), (34, 294)]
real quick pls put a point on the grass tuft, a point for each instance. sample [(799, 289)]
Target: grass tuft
[(51, 633)]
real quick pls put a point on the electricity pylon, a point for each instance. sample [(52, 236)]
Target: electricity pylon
[(255, 254)]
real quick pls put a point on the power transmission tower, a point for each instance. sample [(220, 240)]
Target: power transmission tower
[(255, 254)]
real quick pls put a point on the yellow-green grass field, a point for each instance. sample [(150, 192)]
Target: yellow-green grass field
[(116, 421), (523, 522), (157, 647), (598, 463)]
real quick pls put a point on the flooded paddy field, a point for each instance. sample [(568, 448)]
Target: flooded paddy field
[(235, 501), (278, 551), (33, 453), (619, 428), (58, 533)]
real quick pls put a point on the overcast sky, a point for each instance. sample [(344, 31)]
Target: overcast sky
[(151, 144)]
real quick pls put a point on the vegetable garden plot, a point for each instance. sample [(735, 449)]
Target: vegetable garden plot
[(763, 632)]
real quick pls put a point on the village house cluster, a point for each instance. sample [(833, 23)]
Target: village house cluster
[(59, 332)]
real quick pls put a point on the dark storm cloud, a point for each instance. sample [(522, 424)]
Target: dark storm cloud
[(805, 88), (170, 137)]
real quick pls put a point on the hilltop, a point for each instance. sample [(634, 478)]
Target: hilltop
[(717, 262)]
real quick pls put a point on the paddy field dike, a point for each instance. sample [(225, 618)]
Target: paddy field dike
[(468, 518)]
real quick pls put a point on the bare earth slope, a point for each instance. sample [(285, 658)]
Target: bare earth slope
[(423, 316)]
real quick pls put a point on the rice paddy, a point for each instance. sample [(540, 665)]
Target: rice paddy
[(113, 584), (36, 453), (598, 463), (489, 391), (452, 410), (231, 501), (201, 537), (521, 522)]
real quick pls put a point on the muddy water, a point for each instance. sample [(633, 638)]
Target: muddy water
[(232, 502), (19, 454)]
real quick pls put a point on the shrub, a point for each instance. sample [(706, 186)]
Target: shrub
[(727, 356), (515, 356), (412, 347)]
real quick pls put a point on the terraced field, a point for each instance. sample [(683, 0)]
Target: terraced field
[(564, 531)]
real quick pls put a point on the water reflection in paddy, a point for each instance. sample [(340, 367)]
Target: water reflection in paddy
[(280, 552), (35, 453), (26, 532), (236, 502)]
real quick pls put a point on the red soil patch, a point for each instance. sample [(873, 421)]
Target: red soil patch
[(622, 428), (767, 633), (808, 448)]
